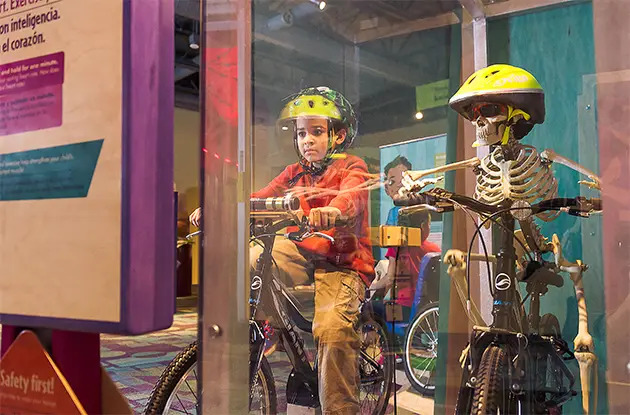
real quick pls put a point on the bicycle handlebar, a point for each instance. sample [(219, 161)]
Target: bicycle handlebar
[(288, 203), (577, 206)]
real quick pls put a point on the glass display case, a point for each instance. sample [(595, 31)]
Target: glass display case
[(414, 207)]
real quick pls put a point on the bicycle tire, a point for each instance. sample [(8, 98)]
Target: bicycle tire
[(170, 378), (427, 317), (180, 366), (489, 391), (386, 361)]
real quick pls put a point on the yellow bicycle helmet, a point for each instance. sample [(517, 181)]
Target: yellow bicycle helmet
[(503, 84), (320, 102)]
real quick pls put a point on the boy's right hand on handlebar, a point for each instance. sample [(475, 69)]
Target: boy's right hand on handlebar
[(324, 217), (195, 217)]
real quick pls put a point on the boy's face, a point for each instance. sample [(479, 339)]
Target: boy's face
[(312, 138), (393, 181)]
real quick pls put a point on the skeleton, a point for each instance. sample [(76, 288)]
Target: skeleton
[(518, 172)]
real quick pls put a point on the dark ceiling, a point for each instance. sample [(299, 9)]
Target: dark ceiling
[(296, 44)]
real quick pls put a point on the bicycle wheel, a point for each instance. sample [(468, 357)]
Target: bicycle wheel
[(176, 390), (421, 342), (263, 392), (376, 366), (491, 390)]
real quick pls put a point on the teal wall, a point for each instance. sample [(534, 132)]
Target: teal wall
[(557, 47)]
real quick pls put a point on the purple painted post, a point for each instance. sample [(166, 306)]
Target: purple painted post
[(148, 228)]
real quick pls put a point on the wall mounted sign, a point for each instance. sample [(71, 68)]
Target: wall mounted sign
[(86, 166)]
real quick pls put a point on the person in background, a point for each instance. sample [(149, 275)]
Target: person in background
[(393, 182), (403, 262)]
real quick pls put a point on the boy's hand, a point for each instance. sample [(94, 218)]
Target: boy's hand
[(324, 217), (195, 217)]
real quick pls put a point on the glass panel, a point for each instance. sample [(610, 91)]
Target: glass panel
[(347, 96), (318, 111)]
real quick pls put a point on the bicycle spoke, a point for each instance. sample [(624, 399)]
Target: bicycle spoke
[(182, 404), (425, 370), (191, 391), (429, 333)]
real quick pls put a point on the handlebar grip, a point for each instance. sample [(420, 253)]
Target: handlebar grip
[(597, 203), (411, 199), (276, 204)]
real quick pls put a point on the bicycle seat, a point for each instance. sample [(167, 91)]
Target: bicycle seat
[(536, 273)]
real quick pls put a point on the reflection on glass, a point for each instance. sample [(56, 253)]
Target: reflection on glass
[(351, 109)]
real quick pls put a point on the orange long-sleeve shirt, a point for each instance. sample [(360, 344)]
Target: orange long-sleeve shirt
[(339, 186)]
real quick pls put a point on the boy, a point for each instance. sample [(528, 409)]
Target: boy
[(323, 124)]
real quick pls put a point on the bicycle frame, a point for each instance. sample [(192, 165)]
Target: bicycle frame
[(518, 332), (268, 292), (277, 304)]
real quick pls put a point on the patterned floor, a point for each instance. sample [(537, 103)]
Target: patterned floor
[(135, 363)]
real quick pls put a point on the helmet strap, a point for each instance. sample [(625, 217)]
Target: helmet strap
[(512, 113)]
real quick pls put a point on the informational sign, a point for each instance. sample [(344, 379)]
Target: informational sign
[(31, 383), (74, 140), (432, 95)]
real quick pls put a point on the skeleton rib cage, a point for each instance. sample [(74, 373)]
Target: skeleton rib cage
[(528, 177)]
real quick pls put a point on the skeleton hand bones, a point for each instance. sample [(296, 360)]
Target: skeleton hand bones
[(411, 178), (552, 156)]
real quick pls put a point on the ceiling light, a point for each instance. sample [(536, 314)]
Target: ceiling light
[(321, 4), (419, 115)]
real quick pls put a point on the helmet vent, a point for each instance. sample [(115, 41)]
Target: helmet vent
[(493, 72), (471, 81), (311, 103)]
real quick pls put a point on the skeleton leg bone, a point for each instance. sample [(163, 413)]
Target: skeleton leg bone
[(583, 342), (457, 271)]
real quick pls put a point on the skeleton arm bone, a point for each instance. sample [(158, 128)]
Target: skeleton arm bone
[(411, 177), (555, 157)]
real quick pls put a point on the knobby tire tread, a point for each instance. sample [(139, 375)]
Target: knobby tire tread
[(487, 397), (169, 379)]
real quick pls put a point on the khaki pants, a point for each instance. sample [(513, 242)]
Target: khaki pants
[(338, 294)]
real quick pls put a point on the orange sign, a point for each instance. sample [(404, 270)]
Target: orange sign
[(31, 383)]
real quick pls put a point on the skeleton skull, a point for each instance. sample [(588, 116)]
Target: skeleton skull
[(489, 129)]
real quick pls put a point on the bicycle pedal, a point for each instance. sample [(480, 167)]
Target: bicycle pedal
[(299, 393)]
